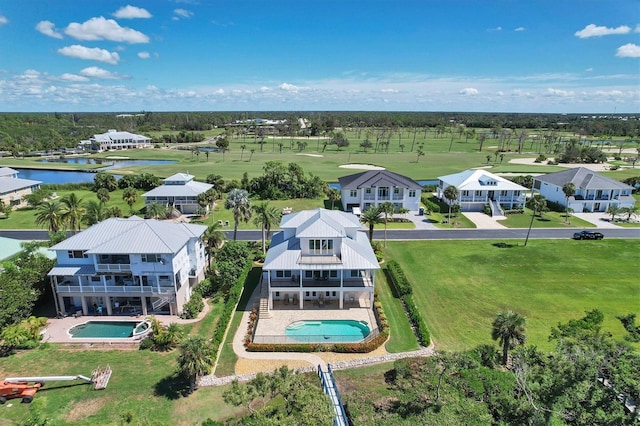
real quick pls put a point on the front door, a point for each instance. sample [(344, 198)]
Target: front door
[(490, 194)]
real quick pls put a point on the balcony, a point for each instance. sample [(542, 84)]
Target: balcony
[(113, 267), (115, 289), (312, 283)]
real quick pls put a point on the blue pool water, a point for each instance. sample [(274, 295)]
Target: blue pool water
[(327, 331), (108, 329)]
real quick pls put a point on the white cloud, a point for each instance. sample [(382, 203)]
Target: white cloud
[(94, 54), (3, 20), (97, 72), (132, 12), (589, 70), (469, 91), (182, 13), (48, 28), (593, 30), (73, 78), (144, 55), (389, 91), (519, 29), (629, 50), (495, 29), (104, 29), (288, 87), (559, 92)]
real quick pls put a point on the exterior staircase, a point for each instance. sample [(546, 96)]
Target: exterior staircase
[(264, 311), (160, 302), (496, 210)]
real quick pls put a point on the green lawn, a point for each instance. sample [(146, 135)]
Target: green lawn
[(548, 220), (461, 285), (141, 385), (402, 338)]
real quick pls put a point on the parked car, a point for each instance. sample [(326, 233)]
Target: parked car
[(588, 235)]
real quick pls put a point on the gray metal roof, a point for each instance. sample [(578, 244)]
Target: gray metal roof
[(355, 253), (9, 184), (476, 180), (133, 235), (582, 178), (376, 178), (7, 171), (69, 271), (189, 189)]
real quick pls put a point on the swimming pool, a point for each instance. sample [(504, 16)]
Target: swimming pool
[(327, 331), (109, 329)]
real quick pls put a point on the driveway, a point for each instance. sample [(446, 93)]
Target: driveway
[(600, 220), (483, 221)]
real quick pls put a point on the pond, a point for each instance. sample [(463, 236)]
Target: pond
[(74, 176)]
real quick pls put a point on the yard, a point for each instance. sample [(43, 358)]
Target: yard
[(460, 286)]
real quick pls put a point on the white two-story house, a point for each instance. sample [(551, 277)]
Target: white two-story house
[(594, 192), (320, 257), (122, 266), (179, 191), (374, 187), (114, 140), (477, 188)]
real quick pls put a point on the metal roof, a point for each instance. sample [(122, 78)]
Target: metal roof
[(68, 271), (583, 178), (376, 178), (476, 180), (188, 189), (133, 235), (10, 184)]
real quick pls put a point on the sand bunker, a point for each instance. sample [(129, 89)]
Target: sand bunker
[(117, 157), (312, 155), (598, 167), (361, 166)]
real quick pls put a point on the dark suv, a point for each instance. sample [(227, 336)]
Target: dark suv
[(588, 235)]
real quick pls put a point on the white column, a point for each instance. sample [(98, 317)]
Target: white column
[(341, 294), (143, 301), (107, 302)]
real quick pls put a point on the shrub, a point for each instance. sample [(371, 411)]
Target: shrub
[(540, 158), (193, 307), (487, 209), (398, 278)]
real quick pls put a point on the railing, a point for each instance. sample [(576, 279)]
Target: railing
[(398, 197), (330, 283), (369, 197), (114, 289), (113, 267), (331, 390)]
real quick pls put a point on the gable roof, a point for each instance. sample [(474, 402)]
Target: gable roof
[(582, 178), (377, 178), (9, 184), (133, 235), (7, 171), (191, 188), (180, 177), (475, 180)]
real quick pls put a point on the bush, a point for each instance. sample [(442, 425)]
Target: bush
[(193, 307), (398, 278), (540, 158)]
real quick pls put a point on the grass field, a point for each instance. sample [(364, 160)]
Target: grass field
[(548, 220), (460, 286)]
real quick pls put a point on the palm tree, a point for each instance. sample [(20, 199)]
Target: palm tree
[(103, 195), (569, 190), (238, 201), (94, 212), (451, 194), (130, 196), (387, 208), (155, 211), (333, 194), (73, 211), (50, 215), (195, 359), (371, 217), (242, 147), (266, 217), (213, 238), (614, 211), (508, 329)]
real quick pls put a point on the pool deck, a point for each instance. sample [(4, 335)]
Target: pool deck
[(57, 330), (272, 330)]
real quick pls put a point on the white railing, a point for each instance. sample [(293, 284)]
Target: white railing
[(113, 267), (114, 289)]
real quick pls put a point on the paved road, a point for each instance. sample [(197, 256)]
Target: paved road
[(406, 234)]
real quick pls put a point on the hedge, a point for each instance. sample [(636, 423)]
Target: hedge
[(403, 288)]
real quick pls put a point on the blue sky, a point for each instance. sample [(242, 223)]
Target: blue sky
[(570, 56)]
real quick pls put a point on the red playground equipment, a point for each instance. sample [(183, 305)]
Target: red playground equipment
[(26, 387)]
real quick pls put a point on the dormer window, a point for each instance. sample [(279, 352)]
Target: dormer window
[(320, 246)]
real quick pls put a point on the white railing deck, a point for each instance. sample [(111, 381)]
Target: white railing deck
[(113, 267), (115, 289)]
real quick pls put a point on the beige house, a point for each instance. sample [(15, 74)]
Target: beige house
[(13, 189)]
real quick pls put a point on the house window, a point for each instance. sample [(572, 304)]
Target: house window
[(383, 192), (277, 294), (95, 279), (308, 274), (283, 274), (412, 193), (503, 193), (396, 191), (516, 193), (333, 274), (354, 273), (77, 254), (367, 190), (306, 293), (320, 246), (478, 193), (334, 294), (353, 193), (465, 193), (313, 294), (327, 293), (151, 258)]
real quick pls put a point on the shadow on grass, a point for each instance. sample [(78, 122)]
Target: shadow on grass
[(505, 245), (250, 284), (172, 387)]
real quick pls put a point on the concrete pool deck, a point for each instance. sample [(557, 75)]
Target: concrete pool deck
[(57, 329)]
